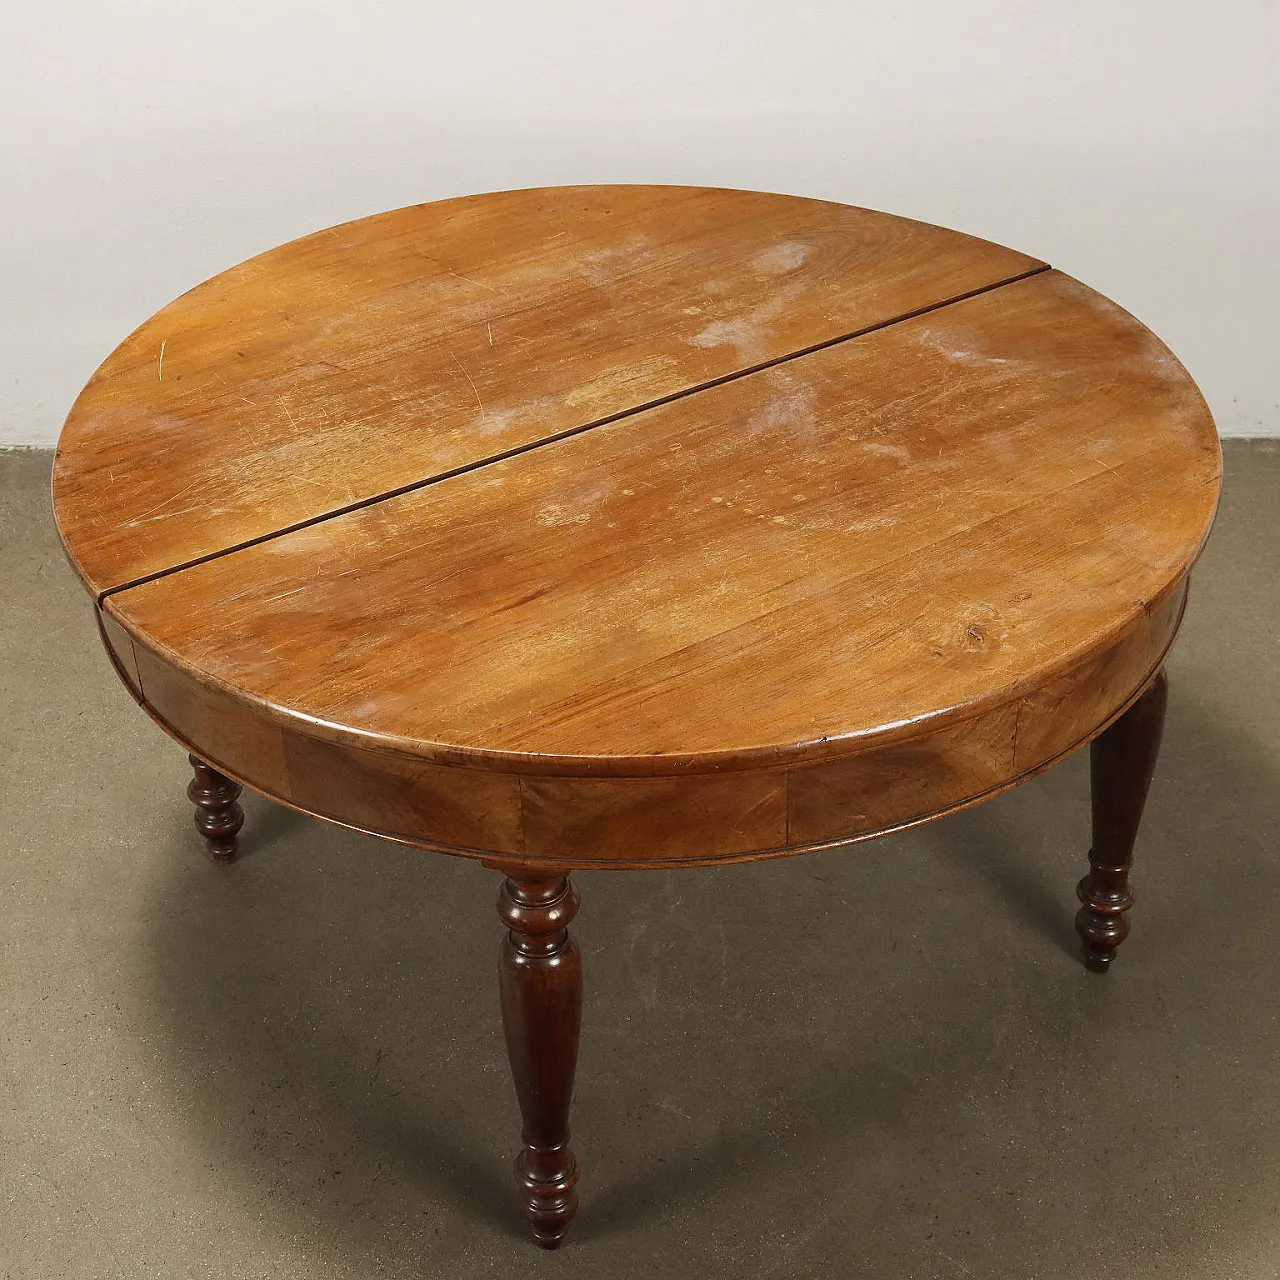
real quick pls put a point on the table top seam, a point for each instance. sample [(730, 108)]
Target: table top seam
[(570, 432)]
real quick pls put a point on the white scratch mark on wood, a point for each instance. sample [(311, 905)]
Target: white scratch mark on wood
[(457, 275), (160, 366), (170, 515), (282, 595), (468, 377), (161, 505), (488, 326)]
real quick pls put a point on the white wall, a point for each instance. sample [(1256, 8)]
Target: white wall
[(145, 145)]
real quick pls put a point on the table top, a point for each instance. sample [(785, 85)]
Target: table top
[(634, 480)]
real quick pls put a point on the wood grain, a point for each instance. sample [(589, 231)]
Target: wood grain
[(827, 598), (903, 529), (684, 820), (119, 646), (241, 744), (386, 351)]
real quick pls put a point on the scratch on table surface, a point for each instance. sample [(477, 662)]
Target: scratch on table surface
[(469, 378), (288, 474), (282, 594), (480, 284), (160, 366), (165, 503), (172, 515), (489, 327), (469, 280)]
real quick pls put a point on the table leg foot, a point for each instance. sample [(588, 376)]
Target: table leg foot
[(218, 815), (540, 981), (1122, 761)]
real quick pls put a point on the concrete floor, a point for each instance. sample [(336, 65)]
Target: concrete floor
[(884, 1061)]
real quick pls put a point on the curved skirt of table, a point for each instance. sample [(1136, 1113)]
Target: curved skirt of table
[(596, 819)]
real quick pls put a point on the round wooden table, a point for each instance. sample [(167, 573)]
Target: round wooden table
[(640, 526)]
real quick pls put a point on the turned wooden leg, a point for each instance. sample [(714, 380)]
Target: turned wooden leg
[(1121, 763), (218, 816), (540, 979)]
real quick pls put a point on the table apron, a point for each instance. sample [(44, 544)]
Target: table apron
[(635, 822)]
